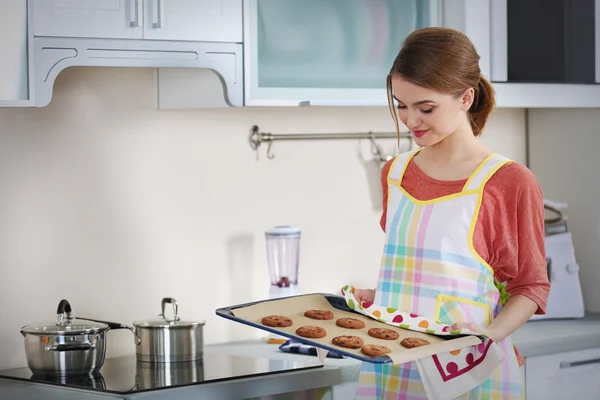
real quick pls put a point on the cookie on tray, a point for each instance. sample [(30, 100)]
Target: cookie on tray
[(350, 323), (349, 342), (311, 332), (383, 333), (277, 321), (319, 314), (411, 343), (374, 350)]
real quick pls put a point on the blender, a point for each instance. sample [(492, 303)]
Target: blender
[(283, 256)]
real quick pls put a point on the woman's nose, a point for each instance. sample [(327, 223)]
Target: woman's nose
[(412, 120)]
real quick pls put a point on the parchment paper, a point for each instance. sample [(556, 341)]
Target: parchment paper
[(294, 308)]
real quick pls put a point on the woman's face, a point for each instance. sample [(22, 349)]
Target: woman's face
[(430, 116)]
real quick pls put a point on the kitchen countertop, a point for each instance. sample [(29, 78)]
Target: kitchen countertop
[(317, 380), (349, 367), (535, 338)]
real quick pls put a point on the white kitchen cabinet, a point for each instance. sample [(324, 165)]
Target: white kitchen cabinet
[(14, 49), (110, 19), (569, 375), (181, 20), (196, 20), (339, 52)]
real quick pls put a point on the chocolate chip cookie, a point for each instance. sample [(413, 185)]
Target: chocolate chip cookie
[(350, 323), (374, 350), (349, 342), (319, 314), (383, 333), (312, 332), (411, 343), (277, 321)]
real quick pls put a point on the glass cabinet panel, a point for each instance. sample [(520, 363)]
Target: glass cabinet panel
[(327, 51)]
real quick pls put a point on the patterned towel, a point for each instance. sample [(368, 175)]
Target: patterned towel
[(446, 375), (401, 319), (291, 346)]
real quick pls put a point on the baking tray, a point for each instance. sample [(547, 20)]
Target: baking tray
[(294, 307)]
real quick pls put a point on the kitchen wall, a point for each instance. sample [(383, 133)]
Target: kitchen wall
[(112, 204), (564, 157)]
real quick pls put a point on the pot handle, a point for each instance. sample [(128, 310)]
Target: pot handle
[(175, 307), (116, 325), (71, 347)]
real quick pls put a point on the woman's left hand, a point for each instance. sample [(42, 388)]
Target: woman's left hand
[(473, 327)]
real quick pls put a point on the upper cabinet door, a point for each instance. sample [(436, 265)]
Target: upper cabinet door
[(110, 19), (14, 47), (327, 52), (194, 20)]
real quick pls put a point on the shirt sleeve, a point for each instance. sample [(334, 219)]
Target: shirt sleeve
[(384, 186), (520, 253)]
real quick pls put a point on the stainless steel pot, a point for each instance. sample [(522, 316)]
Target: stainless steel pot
[(165, 340), (69, 346)]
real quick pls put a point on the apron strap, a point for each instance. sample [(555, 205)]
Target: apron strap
[(477, 180), (399, 165), (484, 172)]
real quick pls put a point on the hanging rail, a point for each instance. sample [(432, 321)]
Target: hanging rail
[(257, 138)]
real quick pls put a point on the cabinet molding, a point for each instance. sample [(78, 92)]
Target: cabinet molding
[(53, 55)]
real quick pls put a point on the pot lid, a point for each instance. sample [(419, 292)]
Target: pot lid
[(282, 230), (164, 322), (65, 324)]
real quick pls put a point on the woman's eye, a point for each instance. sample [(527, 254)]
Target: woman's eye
[(428, 111)]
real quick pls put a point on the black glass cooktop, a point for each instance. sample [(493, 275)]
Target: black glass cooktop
[(124, 375)]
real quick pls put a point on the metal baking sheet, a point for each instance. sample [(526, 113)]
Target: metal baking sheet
[(294, 307)]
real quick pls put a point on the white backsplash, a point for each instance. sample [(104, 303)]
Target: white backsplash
[(112, 204)]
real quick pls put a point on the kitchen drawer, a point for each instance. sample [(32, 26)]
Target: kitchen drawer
[(571, 375)]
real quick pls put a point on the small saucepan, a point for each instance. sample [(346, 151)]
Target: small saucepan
[(167, 340), (68, 346)]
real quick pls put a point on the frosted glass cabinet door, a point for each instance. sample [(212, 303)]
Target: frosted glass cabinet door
[(109, 19), (196, 20), (14, 68), (327, 52)]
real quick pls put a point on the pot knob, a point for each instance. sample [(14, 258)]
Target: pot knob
[(64, 308)]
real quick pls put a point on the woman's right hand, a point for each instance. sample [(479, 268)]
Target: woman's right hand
[(362, 295)]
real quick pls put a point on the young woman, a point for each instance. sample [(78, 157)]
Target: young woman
[(460, 221)]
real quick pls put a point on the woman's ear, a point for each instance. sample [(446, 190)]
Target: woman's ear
[(466, 99)]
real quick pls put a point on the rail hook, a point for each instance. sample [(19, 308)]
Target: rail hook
[(270, 154), (376, 149)]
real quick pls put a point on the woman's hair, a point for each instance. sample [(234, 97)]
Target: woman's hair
[(443, 60)]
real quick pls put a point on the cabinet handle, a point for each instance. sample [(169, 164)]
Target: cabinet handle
[(135, 10), (158, 14), (571, 364)]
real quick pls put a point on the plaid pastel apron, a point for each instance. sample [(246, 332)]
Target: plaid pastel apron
[(430, 267)]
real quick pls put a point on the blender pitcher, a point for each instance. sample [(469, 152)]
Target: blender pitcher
[(283, 256)]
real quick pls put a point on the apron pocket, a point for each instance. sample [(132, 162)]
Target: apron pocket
[(451, 309)]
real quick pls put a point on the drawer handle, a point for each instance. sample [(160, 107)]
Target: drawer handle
[(571, 364)]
